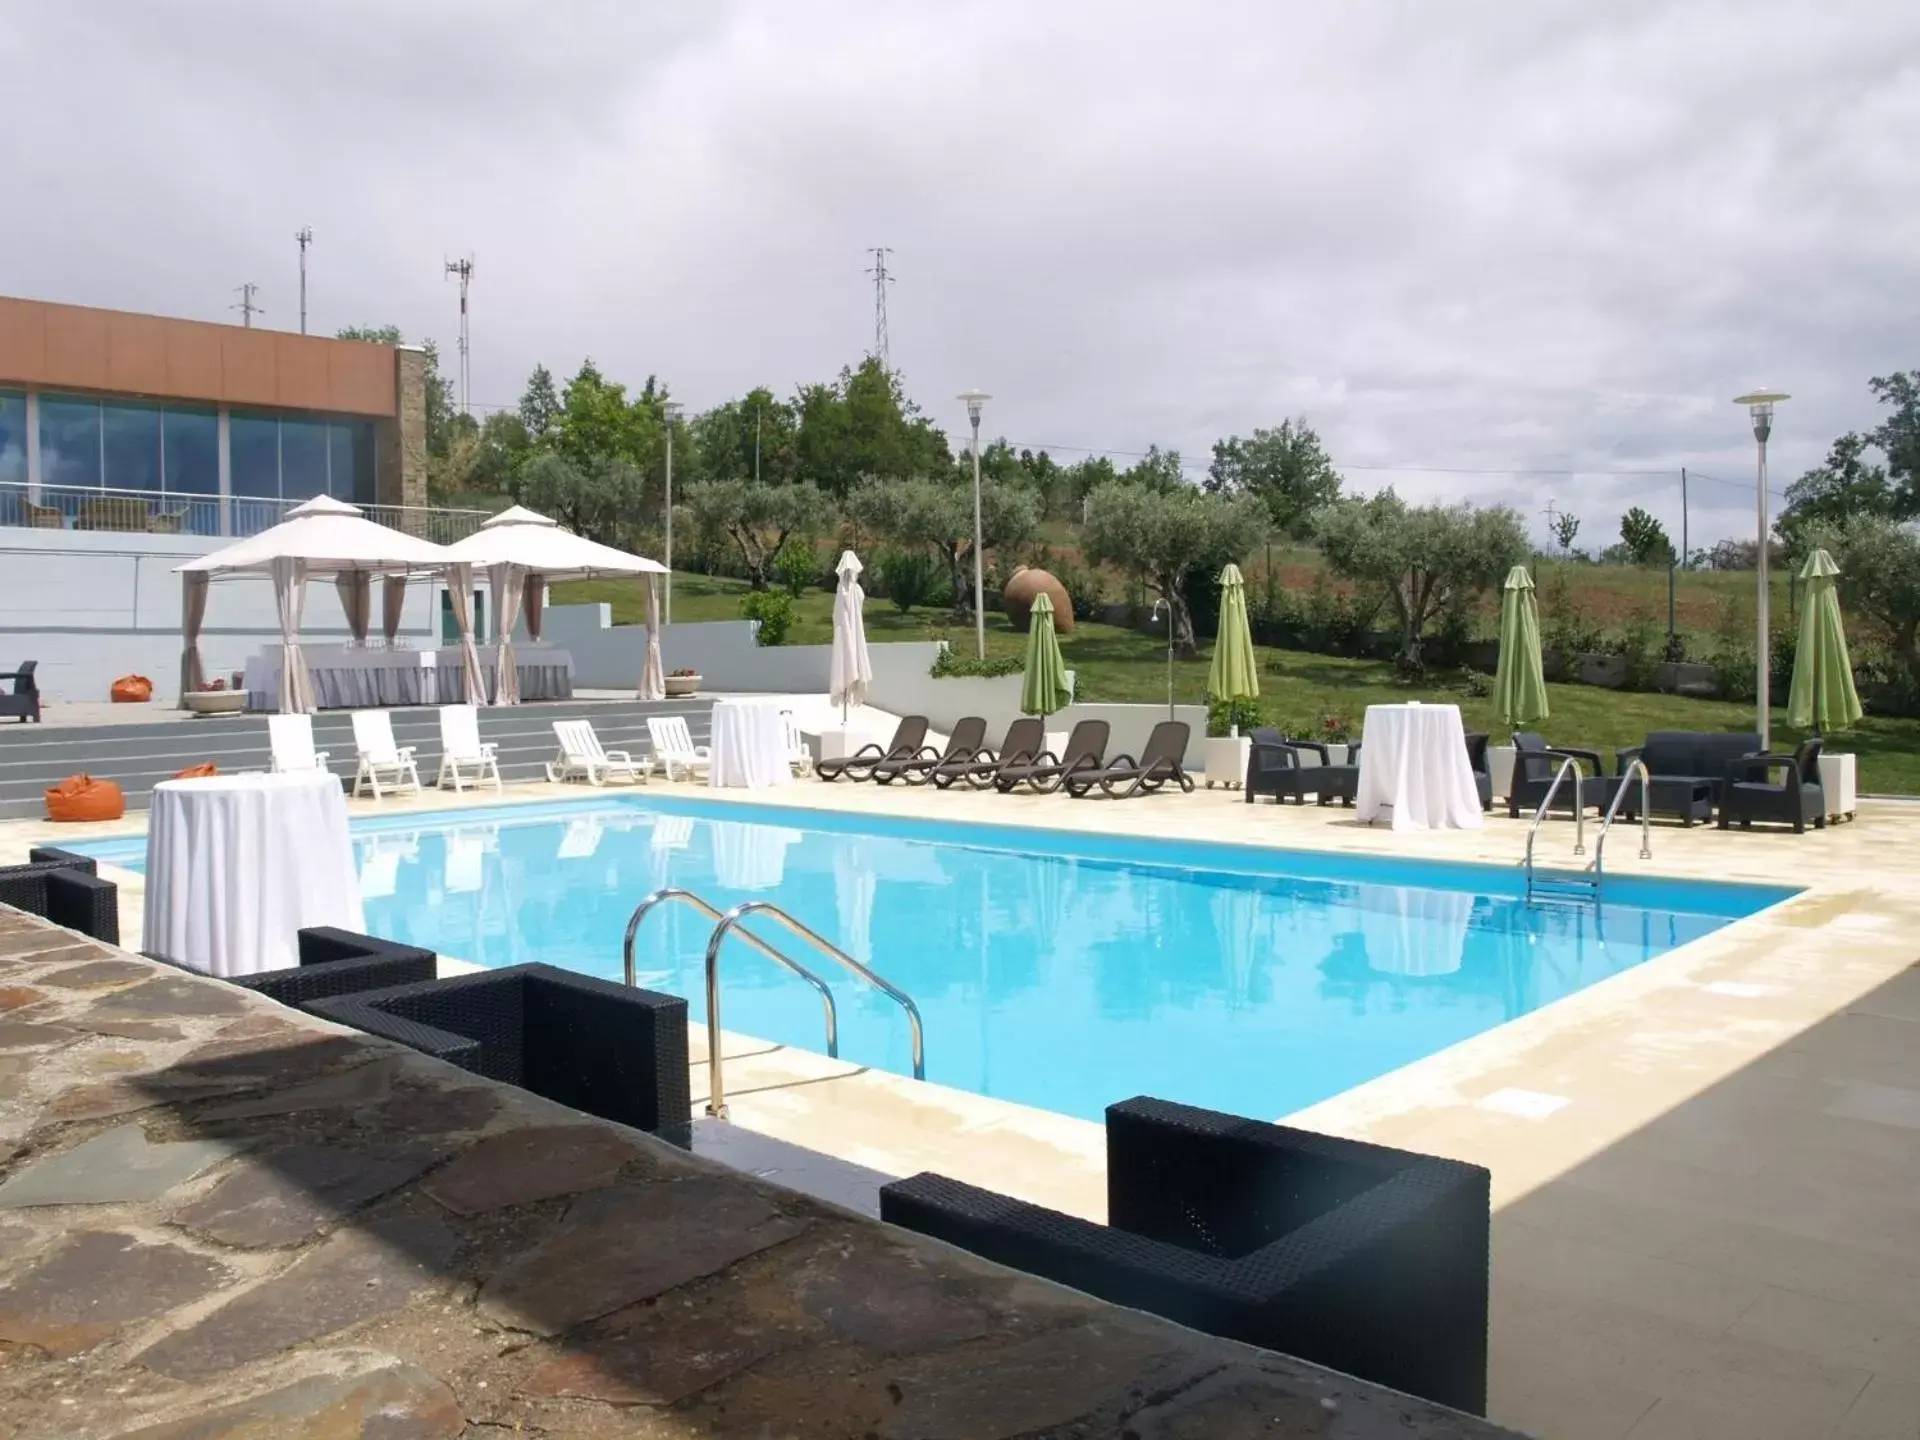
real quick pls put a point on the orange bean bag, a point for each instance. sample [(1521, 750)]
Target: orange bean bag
[(132, 690), (81, 797), (197, 772)]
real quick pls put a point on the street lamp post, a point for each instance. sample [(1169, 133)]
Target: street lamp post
[(1760, 405), (671, 409), (975, 399)]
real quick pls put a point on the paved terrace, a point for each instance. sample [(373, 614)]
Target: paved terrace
[(1706, 1170), (219, 1217)]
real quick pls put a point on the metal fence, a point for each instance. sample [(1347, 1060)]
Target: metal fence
[(87, 507)]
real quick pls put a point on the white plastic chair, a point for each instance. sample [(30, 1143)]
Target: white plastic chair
[(380, 758), (291, 739), (582, 754), (798, 756), (463, 754), (673, 746)]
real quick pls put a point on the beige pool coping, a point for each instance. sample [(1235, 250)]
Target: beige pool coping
[(1706, 1169)]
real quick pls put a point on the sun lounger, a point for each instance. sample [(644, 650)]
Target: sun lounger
[(965, 746), (290, 738), (582, 754), (1046, 772), (798, 756), (673, 747), (1160, 763), (1024, 740), (908, 738), (379, 758), (463, 754)]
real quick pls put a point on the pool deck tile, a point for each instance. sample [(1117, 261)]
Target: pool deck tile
[(1717, 1235)]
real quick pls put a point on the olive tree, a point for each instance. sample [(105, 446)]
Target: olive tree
[(1423, 558), (937, 516), (758, 519), (1163, 536), (1879, 562)]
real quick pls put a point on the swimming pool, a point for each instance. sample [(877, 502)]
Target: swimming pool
[(1059, 969)]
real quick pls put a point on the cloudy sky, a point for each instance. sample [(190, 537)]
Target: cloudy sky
[(1547, 240)]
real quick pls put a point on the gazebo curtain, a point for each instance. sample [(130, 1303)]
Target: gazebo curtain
[(290, 596), (193, 610), (355, 588), (393, 604), (653, 678), (460, 597), (505, 582), (533, 599)]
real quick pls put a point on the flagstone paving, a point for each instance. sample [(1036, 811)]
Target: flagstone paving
[(239, 1225)]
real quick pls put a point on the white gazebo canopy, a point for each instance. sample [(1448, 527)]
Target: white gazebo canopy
[(329, 537), (539, 545), (522, 551)]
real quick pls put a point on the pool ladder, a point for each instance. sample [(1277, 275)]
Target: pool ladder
[(729, 923), (1584, 885)]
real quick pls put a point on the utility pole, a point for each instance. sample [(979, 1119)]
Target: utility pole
[(247, 308), (881, 279), (304, 237), (463, 269)]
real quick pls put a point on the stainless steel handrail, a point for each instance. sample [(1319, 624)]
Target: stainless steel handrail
[(785, 962), (1579, 813), (730, 923), (1613, 809)]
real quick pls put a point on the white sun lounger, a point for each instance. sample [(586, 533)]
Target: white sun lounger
[(798, 756), (673, 746), (291, 738), (380, 758), (581, 754), (464, 756)]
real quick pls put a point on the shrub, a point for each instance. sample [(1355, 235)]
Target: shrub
[(1086, 590), (1476, 685), (909, 578), (1224, 715), (1640, 648), (796, 567), (1566, 629), (1336, 624), (950, 664), (774, 610)]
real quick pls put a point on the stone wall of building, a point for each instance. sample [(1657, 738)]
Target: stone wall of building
[(403, 440)]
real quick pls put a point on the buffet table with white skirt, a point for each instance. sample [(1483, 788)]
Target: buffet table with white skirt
[(349, 677), (1414, 770), (238, 864), (749, 745)]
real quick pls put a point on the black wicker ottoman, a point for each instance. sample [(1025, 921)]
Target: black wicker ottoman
[(341, 962), (63, 887), (611, 1051), (1365, 1259)]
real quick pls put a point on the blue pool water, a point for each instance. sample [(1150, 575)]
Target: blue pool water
[(1060, 970)]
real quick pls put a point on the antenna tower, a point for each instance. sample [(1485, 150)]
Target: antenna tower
[(247, 308), (464, 270), (304, 236), (881, 279)]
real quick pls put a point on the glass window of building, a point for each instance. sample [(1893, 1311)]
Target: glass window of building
[(350, 473), (191, 444), (303, 458), (13, 438), (130, 444), (253, 444), (69, 441)]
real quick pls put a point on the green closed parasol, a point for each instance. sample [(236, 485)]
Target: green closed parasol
[(1234, 674), (1520, 683), (1823, 698), (1044, 688)]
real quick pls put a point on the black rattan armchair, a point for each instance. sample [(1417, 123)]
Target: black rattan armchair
[(1751, 793), (1477, 763), (341, 962), (63, 887), (1366, 1259), (603, 1048), (1274, 768), (24, 702), (1536, 763)]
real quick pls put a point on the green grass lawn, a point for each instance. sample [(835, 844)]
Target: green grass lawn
[(1119, 665)]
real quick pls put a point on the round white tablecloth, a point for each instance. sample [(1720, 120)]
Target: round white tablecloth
[(749, 745), (1413, 769), (237, 864)]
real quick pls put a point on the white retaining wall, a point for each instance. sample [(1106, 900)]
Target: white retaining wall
[(92, 606)]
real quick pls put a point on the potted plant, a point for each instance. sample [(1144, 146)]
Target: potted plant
[(684, 681), (1336, 733), (215, 698), (1228, 746)]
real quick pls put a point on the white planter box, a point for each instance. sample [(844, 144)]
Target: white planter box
[(1839, 778), (1500, 763), (1227, 760), (837, 742)]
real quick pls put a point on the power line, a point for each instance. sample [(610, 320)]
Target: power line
[(881, 279)]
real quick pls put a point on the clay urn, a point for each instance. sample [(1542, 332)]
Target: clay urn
[(1026, 583)]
